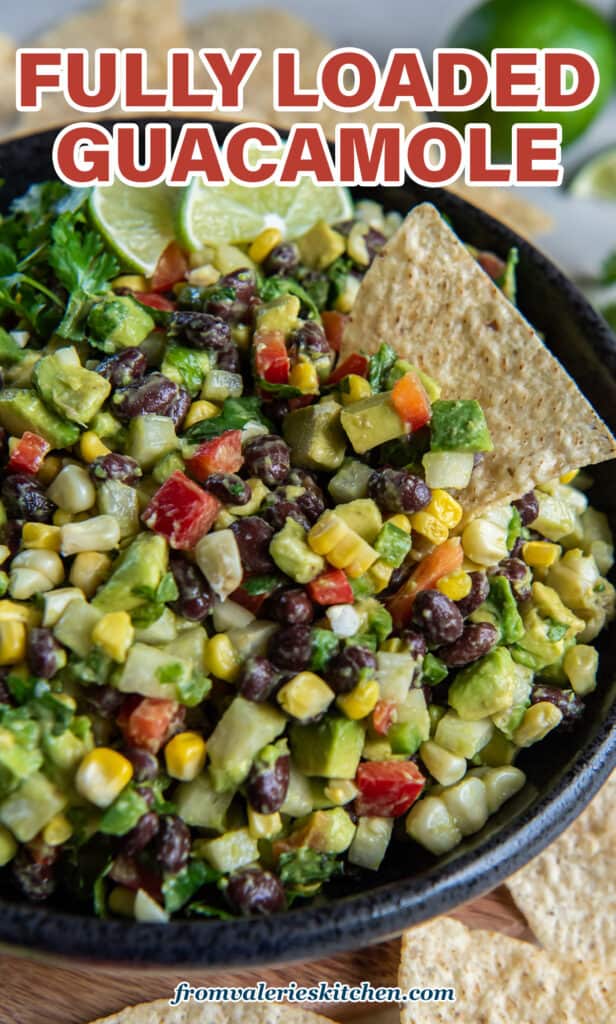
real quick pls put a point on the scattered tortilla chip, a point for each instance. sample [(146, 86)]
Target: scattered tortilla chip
[(213, 1013), (427, 297), (568, 892), (498, 980), (7, 83), (502, 203)]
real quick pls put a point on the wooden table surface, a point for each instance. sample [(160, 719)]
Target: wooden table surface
[(32, 992)]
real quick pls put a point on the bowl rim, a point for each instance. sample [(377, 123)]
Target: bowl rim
[(345, 923)]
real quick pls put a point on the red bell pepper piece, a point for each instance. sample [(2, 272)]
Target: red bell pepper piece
[(155, 301), (172, 267), (221, 454), (355, 363), (181, 511), (445, 558), (28, 454), (272, 362), (387, 788), (383, 716), (411, 402), (334, 324), (147, 723), (252, 602), (331, 588)]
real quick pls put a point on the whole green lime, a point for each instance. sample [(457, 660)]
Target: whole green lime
[(537, 23)]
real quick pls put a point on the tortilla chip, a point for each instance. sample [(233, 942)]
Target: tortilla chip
[(498, 980), (427, 297), (7, 83), (568, 892), (213, 1013), (502, 203)]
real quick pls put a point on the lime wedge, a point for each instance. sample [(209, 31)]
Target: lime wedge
[(138, 223), (212, 214), (597, 178)]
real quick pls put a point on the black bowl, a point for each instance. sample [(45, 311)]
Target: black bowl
[(563, 772)]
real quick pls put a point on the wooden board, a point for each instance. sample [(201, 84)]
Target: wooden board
[(32, 992)]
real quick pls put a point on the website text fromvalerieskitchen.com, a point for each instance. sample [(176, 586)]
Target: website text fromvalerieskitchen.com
[(322, 992)]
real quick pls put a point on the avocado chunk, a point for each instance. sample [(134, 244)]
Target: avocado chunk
[(199, 804), (281, 314), (485, 687), (320, 246), (293, 555), (22, 409), (372, 421), (350, 482), (10, 352), (119, 323), (330, 748), (186, 367), (20, 755), (363, 516), (142, 564), (70, 389), (501, 610), (549, 629), (510, 718), (150, 438), (326, 831), (459, 426), (315, 437), (26, 811), (244, 729)]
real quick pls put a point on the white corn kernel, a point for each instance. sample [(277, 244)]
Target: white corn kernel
[(343, 619), (25, 583), (46, 562), (72, 490), (101, 533)]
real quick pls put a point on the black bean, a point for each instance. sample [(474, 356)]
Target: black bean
[(141, 835), (179, 407), (115, 467), (195, 599), (438, 617), (125, 871), (567, 701), (312, 505), (519, 575), (253, 891), (34, 873), (477, 639), (105, 700), (397, 490), (253, 536), (528, 507), (43, 653), (258, 679), (310, 341), (243, 282), (202, 330), (518, 544), (24, 498), (147, 794), (374, 241), (155, 394), (282, 259), (145, 765), (228, 488), (267, 785), (173, 845), (480, 588), (304, 478), (290, 607), (279, 508), (268, 458), (416, 641), (123, 369), (290, 648), (229, 359), (344, 671)]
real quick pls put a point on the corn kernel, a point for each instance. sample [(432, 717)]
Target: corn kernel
[(327, 533), (8, 846), (538, 721), (430, 527), (484, 542), (264, 826), (364, 557), (361, 700), (341, 791), (102, 775), (355, 388), (263, 244), (134, 282), (444, 508), (401, 521), (395, 644), (89, 570), (61, 518), (221, 658), (12, 642), (380, 574), (185, 756), (540, 554), (122, 901), (11, 611), (201, 410), (91, 447), (41, 536), (114, 633), (202, 276), (305, 696), (49, 469), (455, 586), (567, 478), (346, 550), (304, 377), (57, 831)]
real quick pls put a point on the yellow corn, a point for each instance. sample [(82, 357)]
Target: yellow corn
[(347, 549), (12, 642), (114, 634), (91, 447), (380, 573), (355, 388), (540, 554), (264, 826), (263, 244), (304, 376), (401, 521), (57, 831), (40, 536), (305, 696), (89, 570), (395, 644), (185, 756), (11, 611), (538, 721), (361, 700), (343, 548), (201, 410), (567, 478), (201, 276), (444, 508), (49, 469), (455, 586), (135, 282), (221, 658), (102, 775), (327, 533), (363, 558), (430, 527)]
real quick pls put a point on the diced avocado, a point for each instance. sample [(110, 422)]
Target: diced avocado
[(10, 352), (412, 727), (556, 517), (70, 389), (22, 409), (20, 756), (122, 502), (153, 672), (370, 842), (363, 516), (510, 718), (280, 314), (64, 752), (124, 813), (320, 246), (19, 375), (222, 384), (186, 366), (199, 804), (168, 465), (315, 436), (251, 641), (392, 544), (542, 643), (119, 323), (230, 851), (459, 426), (299, 798), (162, 631), (351, 481), (327, 831), (75, 625), (574, 577), (499, 751), (372, 421), (150, 438), (189, 645), (551, 607), (330, 748), (244, 729), (501, 610), (293, 555), (463, 738), (30, 807), (108, 428), (485, 687), (142, 564)]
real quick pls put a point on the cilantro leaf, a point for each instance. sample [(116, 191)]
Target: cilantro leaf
[(178, 889), (278, 390), (608, 270), (272, 287), (82, 266), (380, 365), (155, 600), (256, 585), (206, 910), (306, 866), (236, 413)]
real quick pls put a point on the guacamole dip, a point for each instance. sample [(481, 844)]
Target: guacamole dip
[(246, 622)]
